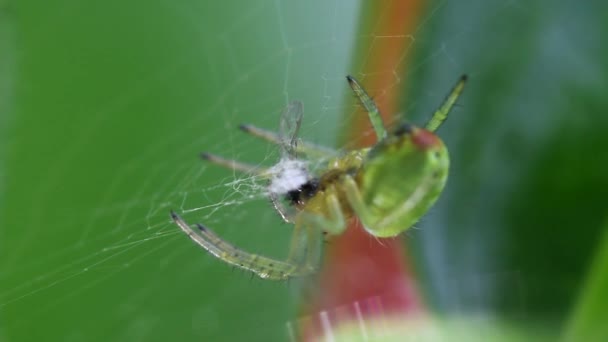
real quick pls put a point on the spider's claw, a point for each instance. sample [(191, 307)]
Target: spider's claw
[(201, 227), (174, 216)]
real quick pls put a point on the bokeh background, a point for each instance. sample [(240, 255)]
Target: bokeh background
[(104, 107)]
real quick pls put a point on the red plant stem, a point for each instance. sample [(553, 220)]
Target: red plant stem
[(362, 276)]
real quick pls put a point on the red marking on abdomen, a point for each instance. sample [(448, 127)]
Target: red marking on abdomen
[(425, 139)]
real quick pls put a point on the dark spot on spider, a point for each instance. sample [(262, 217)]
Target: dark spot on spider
[(403, 129), (436, 174), (303, 193), (437, 154)]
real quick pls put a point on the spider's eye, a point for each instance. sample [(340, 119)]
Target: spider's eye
[(403, 129)]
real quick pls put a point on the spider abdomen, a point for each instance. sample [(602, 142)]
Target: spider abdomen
[(399, 184)]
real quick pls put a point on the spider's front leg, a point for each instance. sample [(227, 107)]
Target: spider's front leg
[(304, 249), (263, 267)]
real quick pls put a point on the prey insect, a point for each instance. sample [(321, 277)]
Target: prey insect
[(388, 186)]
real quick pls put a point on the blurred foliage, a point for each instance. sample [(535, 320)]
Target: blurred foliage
[(523, 211), (587, 319), (106, 105)]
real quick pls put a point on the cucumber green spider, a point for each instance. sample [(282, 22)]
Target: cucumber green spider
[(388, 186)]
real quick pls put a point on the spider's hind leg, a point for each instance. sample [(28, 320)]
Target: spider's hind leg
[(308, 148), (234, 164)]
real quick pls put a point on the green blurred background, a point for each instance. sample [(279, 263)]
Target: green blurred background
[(104, 107)]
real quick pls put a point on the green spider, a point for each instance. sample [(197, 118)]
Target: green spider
[(388, 186)]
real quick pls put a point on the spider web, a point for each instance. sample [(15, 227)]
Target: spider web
[(88, 249)]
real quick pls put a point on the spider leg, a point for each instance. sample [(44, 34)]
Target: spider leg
[(373, 223), (308, 148), (332, 222), (233, 164), (442, 112), (355, 199), (370, 107), (263, 267), (299, 243), (281, 209)]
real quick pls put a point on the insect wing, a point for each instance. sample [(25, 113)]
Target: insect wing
[(291, 120)]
